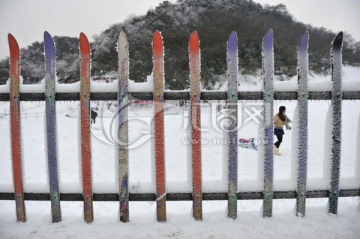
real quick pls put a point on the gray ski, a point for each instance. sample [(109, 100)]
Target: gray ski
[(302, 102), (336, 98)]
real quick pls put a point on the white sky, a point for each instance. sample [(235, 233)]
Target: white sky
[(28, 19)]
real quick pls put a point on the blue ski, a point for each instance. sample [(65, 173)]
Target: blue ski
[(51, 126), (268, 74), (232, 97)]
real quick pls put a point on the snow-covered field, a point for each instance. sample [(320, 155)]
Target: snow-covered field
[(176, 149), (180, 224)]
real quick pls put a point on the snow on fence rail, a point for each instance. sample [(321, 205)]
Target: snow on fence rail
[(54, 92)]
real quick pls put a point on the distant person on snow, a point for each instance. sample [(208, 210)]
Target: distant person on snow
[(280, 119), (93, 116)]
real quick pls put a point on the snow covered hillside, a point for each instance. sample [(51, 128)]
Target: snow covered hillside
[(351, 78)]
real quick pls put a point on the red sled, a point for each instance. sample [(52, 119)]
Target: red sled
[(248, 143)]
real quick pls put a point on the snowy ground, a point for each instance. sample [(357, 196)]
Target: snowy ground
[(180, 224), (177, 149), (250, 224)]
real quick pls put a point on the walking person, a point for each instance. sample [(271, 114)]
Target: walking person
[(93, 116), (280, 119)]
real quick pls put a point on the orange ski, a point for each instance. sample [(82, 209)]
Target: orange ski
[(85, 126)]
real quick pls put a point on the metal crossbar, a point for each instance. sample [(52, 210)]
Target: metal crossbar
[(183, 95), (181, 196)]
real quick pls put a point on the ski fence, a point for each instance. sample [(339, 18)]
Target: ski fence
[(159, 96)]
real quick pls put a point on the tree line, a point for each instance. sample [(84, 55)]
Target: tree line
[(213, 20)]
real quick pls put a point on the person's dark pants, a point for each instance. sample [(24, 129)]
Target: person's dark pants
[(278, 142), (279, 132)]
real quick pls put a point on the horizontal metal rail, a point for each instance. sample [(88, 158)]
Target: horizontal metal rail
[(183, 95), (180, 196)]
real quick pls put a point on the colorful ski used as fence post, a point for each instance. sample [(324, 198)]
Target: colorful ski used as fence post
[(268, 74), (123, 151), (85, 127), (15, 127), (303, 71), (51, 126), (194, 64), (232, 99), (336, 98), (158, 71)]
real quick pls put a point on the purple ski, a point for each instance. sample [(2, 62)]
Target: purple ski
[(268, 74), (232, 97), (51, 126)]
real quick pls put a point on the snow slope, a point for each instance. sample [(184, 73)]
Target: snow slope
[(350, 76), (103, 150), (180, 224)]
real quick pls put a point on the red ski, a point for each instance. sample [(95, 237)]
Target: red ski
[(158, 71), (15, 127), (194, 57), (85, 126)]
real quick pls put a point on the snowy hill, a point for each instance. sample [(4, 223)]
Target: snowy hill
[(249, 19), (317, 82)]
